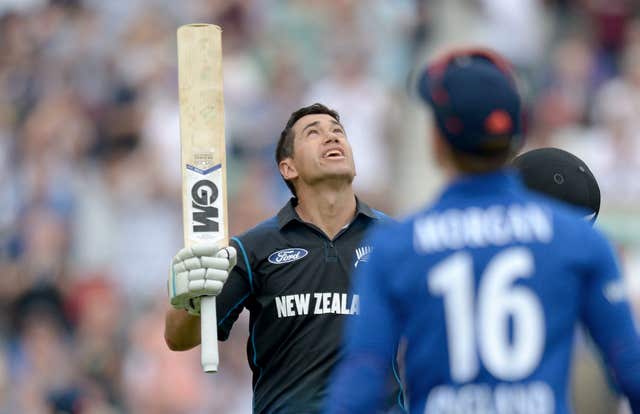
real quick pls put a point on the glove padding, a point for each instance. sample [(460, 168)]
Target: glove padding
[(197, 271)]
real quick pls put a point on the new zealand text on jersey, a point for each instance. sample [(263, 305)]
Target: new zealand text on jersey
[(318, 303)]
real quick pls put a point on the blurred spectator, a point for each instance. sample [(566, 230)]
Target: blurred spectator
[(363, 106), (148, 366), (40, 365), (609, 23), (617, 110), (96, 311), (567, 92), (501, 19)]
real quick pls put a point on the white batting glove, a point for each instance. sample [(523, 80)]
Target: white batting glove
[(197, 271)]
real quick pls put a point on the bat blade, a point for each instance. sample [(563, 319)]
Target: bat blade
[(203, 155)]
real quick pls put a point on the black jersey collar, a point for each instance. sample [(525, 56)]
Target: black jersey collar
[(288, 213)]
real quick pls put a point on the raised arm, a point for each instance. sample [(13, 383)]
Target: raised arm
[(181, 330)]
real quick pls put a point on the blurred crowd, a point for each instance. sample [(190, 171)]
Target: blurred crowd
[(90, 202)]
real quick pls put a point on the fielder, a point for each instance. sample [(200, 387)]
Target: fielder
[(487, 283), (292, 272)]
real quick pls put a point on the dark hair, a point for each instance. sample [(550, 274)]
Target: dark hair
[(284, 148), (477, 164)]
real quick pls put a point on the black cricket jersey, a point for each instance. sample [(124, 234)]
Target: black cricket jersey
[(295, 282)]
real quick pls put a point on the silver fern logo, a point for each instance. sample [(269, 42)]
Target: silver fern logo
[(362, 255)]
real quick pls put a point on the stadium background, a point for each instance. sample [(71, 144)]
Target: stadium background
[(89, 164)]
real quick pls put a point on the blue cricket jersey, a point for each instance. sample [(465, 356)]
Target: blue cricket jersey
[(486, 287)]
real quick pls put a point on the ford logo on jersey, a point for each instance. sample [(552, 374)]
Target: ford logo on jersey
[(287, 255)]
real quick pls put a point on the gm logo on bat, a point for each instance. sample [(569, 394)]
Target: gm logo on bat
[(206, 202), (204, 194)]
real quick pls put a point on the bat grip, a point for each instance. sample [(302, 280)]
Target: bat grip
[(208, 334)]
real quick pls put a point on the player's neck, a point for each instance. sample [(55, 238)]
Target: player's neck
[(329, 209), (451, 174)]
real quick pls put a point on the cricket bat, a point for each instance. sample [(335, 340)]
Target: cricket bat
[(203, 157)]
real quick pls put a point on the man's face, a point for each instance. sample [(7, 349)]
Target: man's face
[(320, 151)]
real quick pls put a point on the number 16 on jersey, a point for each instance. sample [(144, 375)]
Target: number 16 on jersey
[(204, 191), (498, 300)]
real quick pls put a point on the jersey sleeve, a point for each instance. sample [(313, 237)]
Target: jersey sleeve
[(236, 291), (359, 382), (608, 317)]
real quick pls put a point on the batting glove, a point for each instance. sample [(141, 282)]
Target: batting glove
[(197, 271)]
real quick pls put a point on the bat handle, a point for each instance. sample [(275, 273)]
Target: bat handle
[(209, 334)]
